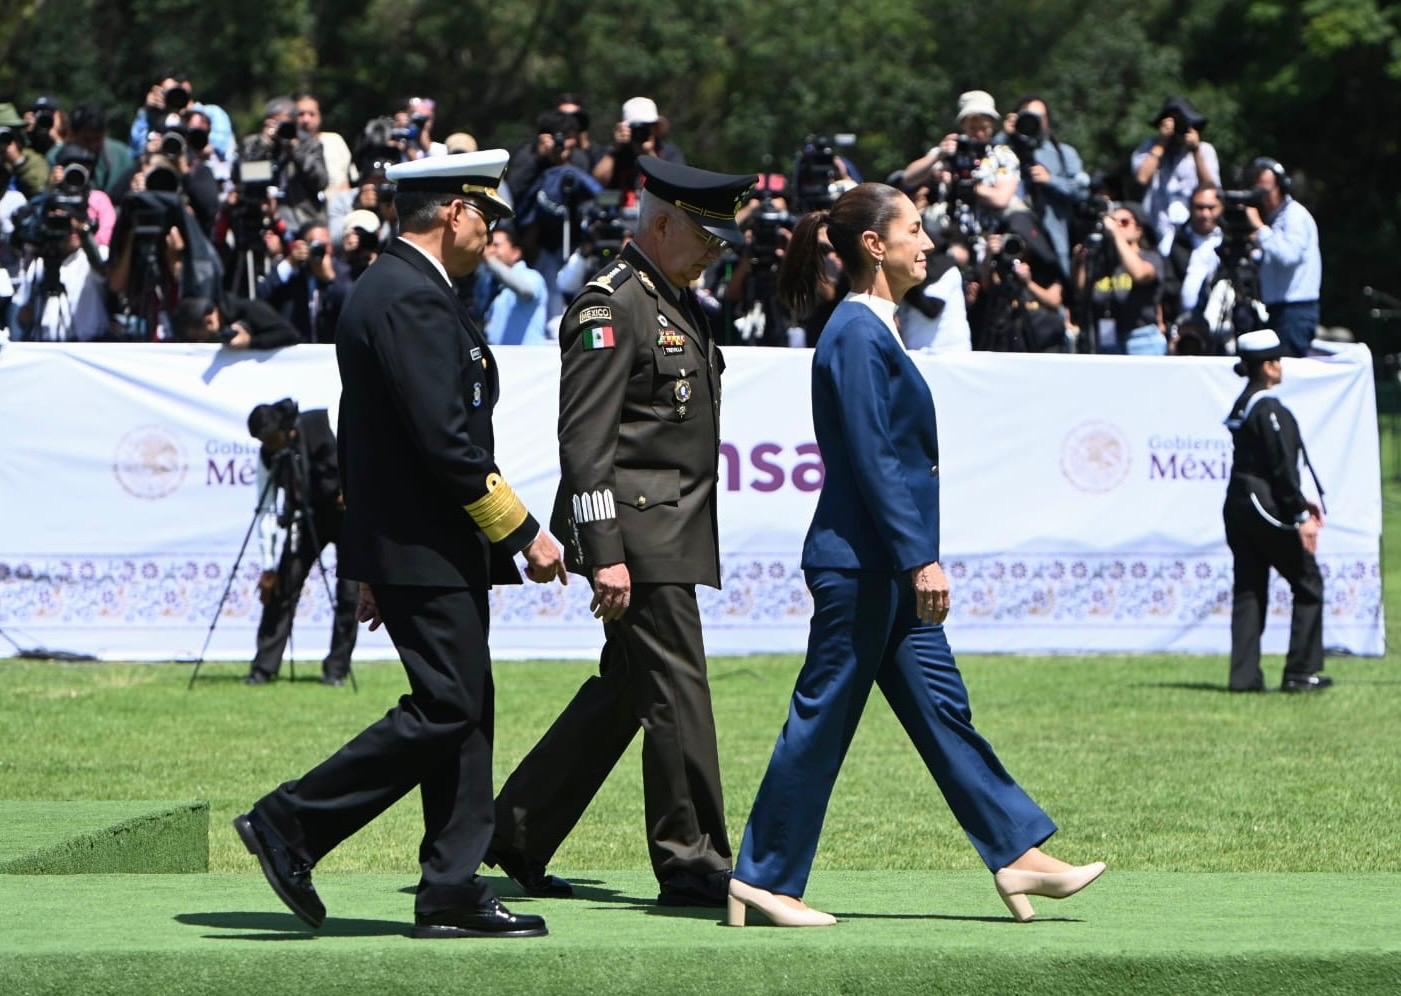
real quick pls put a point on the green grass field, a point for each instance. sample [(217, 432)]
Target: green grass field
[(1194, 797)]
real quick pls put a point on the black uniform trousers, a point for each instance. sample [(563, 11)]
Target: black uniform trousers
[(438, 737), (1257, 547), (652, 676), (275, 626)]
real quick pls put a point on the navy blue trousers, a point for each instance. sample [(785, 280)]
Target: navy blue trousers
[(865, 631), (1295, 322)]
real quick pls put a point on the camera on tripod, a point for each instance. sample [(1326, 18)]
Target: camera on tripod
[(771, 226), (605, 230), (48, 222), (1234, 221)]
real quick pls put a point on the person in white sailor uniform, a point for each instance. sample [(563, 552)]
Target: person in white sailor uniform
[(430, 525), (1271, 523), (639, 437)]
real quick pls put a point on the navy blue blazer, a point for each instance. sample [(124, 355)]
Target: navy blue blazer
[(874, 418)]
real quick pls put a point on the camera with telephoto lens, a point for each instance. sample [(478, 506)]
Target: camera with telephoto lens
[(815, 177), (605, 231), (177, 98), (48, 221), (1012, 252), (286, 131), (1234, 221), (173, 143), (1027, 136), (768, 224), (316, 249)]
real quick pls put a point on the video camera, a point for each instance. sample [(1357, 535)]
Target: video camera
[(815, 175), (768, 224), (48, 220), (604, 229)]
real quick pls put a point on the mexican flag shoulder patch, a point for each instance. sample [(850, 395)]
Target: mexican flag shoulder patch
[(598, 337)]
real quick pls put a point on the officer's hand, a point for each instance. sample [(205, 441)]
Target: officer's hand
[(1308, 535), (544, 560), (267, 586), (931, 593), (368, 609), (612, 591)]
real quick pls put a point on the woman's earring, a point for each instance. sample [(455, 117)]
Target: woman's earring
[(879, 261)]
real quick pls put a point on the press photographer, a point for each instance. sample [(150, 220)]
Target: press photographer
[(309, 285), (167, 98), (1192, 258), (61, 295), (749, 297), (72, 173), (299, 513), (1053, 177), (1173, 163), (297, 160), (1291, 266), (237, 323), (641, 132), (516, 314), (1019, 292), (20, 165), (1124, 315), (159, 253), (112, 160), (973, 183)]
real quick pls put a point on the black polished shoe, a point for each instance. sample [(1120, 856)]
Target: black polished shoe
[(529, 875), (490, 919), (289, 875), (1306, 683), (257, 678), (689, 889)]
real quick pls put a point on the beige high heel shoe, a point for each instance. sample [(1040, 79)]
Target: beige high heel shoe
[(1014, 885), (744, 897)]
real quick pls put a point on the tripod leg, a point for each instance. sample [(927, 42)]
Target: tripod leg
[(233, 573)]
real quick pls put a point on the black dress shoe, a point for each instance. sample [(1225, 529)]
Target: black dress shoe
[(257, 678), (490, 919), (529, 875), (1306, 683), (289, 875), (689, 889)]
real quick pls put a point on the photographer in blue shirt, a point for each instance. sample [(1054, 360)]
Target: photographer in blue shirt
[(516, 315), (1291, 267)]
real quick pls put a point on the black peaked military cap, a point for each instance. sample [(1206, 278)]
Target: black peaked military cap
[(711, 199)]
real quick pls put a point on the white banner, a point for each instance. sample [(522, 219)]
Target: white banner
[(1081, 500)]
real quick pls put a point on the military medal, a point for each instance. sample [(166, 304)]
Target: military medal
[(477, 395), (682, 391)]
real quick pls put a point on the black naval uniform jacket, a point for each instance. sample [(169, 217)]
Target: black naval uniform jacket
[(425, 501), (1265, 471), (639, 429)]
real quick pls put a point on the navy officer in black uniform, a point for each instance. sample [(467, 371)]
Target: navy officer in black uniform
[(430, 525), (1270, 523), (639, 436)]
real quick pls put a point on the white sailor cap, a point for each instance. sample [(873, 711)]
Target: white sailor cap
[(476, 174), (1262, 344)]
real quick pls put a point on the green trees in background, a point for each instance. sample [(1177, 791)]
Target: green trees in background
[(1315, 83)]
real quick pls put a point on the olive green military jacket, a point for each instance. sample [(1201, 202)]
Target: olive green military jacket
[(639, 429)]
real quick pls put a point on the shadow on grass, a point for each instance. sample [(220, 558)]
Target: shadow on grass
[(952, 916), (286, 927), (1187, 686)]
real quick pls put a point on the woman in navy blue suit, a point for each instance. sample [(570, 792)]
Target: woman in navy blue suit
[(871, 560)]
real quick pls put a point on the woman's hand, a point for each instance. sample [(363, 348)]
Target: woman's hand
[(931, 593), (1308, 534)]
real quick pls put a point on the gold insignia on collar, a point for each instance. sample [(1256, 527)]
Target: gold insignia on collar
[(646, 281)]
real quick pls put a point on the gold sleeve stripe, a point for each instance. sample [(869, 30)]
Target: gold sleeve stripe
[(499, 513)]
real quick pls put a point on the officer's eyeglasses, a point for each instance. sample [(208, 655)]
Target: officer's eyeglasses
[(707, 239), (491, 223)]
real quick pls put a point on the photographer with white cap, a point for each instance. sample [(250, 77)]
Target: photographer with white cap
[(642, 131)]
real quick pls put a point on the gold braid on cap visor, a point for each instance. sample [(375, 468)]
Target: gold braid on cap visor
[(500, 512)]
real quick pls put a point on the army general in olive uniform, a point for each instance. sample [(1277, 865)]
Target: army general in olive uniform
[(639, 436)]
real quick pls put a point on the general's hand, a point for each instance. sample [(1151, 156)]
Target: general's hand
[(612, 591), (267, 586), (368, 609), (931, 593), (545, 560), (1308, 534)]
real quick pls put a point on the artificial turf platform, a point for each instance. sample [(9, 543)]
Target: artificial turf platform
[(922, 932), (84, 838)]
